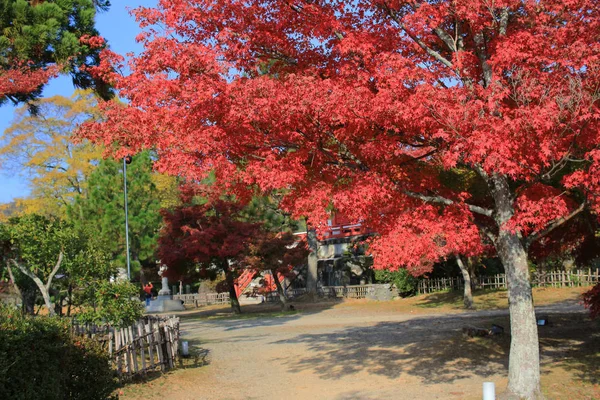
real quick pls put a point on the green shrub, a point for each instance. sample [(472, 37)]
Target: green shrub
[(39, 359), (402, 279), (116, 303)]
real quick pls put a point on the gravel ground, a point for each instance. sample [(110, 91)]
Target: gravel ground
[(345, 353)]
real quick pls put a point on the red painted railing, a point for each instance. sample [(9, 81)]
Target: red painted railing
[(242, 282)]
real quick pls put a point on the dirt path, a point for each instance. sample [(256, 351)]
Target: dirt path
[(345, 353)]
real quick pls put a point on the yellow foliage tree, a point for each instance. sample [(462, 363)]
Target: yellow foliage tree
[(40, 148), (167, 187)]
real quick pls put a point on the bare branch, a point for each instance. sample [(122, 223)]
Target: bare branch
[(12, 280), (480, 49), (446, 38), (503, 21), (30, 274), (392, 14), (442, 200), (54, 271), (491, 235), (553, 225)]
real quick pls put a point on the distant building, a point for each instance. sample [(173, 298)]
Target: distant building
[(341, 252)]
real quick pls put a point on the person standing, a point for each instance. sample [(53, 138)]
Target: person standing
[(148, 290)]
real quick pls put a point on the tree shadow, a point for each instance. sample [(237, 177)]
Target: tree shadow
[(572, 341), (432, 348), (253, 316), (435, 349)]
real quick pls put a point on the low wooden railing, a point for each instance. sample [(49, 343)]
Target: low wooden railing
[(150, 344), (538, 279), (346, 292), (204, 299)]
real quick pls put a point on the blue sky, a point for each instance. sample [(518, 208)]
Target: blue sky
[(119, 29)]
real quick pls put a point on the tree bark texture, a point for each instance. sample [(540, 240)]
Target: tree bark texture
[(44, 289), (70, 303), (233, 299), (524, 358), (14, 283), (280, 292), (313, 259), (468, 295)]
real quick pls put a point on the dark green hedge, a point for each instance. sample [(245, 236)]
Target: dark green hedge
[(39, 359)]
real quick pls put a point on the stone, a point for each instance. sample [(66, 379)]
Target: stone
[(164, 304), (164, 301), (381, 292), (164, 290)]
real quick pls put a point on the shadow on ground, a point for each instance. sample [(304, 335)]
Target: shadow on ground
[(432, 348), (572, 341), (253, 316), (435, 350)]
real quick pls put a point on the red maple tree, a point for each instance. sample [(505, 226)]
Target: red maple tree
[(276, 253), (209, 235), (487, 113)]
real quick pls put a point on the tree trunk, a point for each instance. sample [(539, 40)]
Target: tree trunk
[(46, 296), (468, 295), (280, 292), (29, 296), (313, 259), (524, 359), (14, 283), (43, 290), (235, 303), (70, 303)]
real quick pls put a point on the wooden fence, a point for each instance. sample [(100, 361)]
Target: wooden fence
[(148, 345), (346, 292), (538, 279), (204, 299)]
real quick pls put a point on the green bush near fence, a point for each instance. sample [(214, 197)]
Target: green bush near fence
[(402, 279), (117, 304), (39, 359)]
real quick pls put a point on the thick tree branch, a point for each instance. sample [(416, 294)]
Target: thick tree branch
[(12, 280), (490, 235), (54, 271), (553, 225), (392, 14), (446, 38), (503, 21), (442, 200), (480, 49), (30, 274)]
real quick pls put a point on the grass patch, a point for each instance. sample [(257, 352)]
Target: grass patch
[(485, 299), (493, 299), (451, 301)]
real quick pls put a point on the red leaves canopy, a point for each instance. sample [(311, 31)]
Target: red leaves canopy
[(363, 104), (203, 234), (276, 251)]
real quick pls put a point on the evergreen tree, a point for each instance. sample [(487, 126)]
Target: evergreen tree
[(103, 209), (40, 38)]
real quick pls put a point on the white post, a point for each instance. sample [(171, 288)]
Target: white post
[(489, 391)]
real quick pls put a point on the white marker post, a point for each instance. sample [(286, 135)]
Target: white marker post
[(489, 391)]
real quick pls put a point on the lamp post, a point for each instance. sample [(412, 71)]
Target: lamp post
[(126, 160)]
